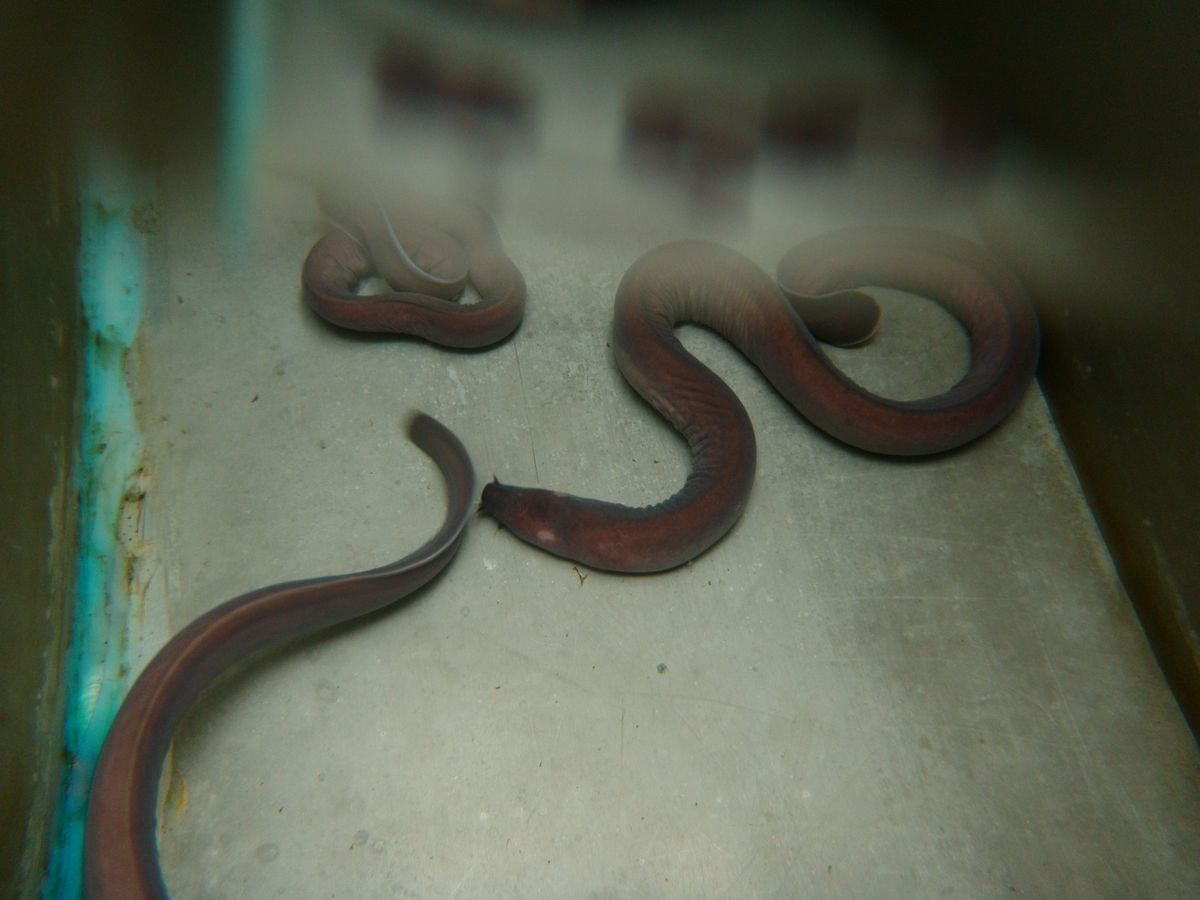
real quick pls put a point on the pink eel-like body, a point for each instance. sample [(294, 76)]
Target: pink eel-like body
[(713, 286)]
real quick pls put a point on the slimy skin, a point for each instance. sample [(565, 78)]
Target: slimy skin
[(713, 286), (120, 848)]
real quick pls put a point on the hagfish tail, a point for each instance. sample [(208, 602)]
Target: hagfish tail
[(120, 850)]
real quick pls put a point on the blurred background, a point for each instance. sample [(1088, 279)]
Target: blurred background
[(1071, 136)]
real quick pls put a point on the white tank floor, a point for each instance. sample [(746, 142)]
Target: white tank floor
[(893, 678)]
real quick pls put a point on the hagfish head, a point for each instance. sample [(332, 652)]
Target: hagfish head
[(535, 515)]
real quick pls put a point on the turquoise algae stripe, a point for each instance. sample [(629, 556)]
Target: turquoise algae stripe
[(112, 274), (248, 63)]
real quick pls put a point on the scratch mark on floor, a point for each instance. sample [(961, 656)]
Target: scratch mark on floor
[(658, 695), (528, 423), (559, 676), (622, 730), (466, 875)]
